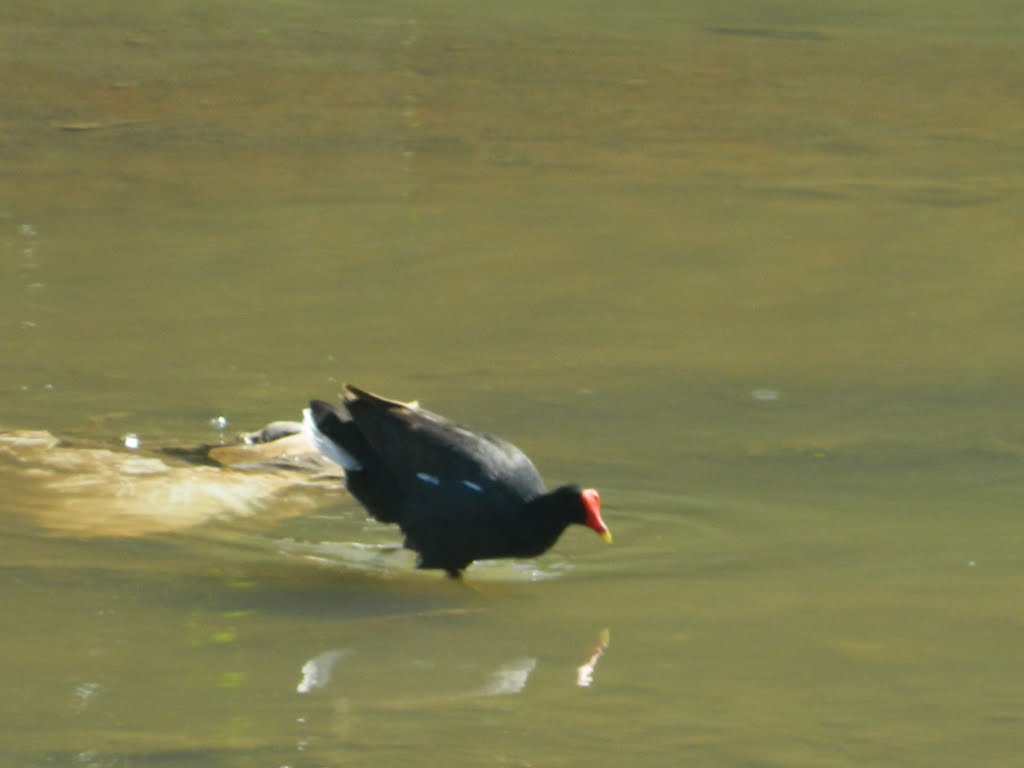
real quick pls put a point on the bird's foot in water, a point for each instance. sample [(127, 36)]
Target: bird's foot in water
[(457, 578)]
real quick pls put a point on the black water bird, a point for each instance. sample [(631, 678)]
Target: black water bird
[(457, 494)]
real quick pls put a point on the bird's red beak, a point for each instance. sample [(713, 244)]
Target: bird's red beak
[(592, 503)]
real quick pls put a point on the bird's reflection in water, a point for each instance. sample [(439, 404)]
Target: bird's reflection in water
[(508, 679), (316, 673), (585, 672)]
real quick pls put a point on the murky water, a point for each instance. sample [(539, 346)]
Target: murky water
[(755, 272)]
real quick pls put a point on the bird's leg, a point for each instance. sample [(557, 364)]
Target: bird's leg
[(456, 576)]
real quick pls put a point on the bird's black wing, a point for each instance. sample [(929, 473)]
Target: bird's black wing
[(422, 449)]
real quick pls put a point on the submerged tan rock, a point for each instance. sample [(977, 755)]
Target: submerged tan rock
[(88, 490)]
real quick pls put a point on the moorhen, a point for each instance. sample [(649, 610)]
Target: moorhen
[(457, 494)]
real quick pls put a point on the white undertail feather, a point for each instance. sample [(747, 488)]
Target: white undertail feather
[(327, 447)]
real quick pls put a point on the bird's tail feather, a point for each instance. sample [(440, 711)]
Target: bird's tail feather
[(322, 425)]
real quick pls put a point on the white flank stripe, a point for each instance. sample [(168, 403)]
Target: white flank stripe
[(431, 479), (472, 486)]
